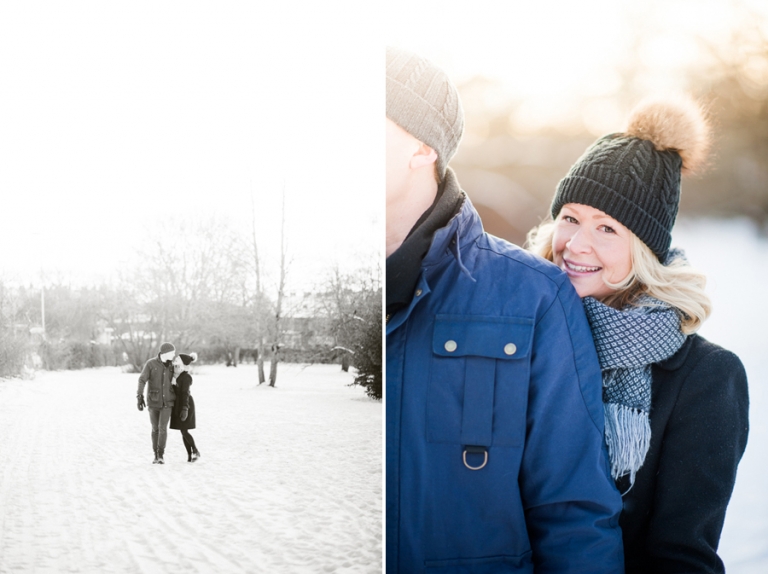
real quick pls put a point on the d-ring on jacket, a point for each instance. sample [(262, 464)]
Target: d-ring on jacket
[(494, 357)]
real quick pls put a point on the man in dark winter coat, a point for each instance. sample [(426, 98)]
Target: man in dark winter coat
[(495, 455), (158, 373)]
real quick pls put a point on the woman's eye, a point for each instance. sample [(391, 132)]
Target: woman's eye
[(569, 219), (608, 229)]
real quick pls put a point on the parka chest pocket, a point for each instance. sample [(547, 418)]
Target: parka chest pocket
[(478, 388)]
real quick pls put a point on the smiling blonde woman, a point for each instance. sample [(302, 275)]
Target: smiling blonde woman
[(676, 405)]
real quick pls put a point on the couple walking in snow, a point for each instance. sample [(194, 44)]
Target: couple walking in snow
[(169, 399), (552, 412)]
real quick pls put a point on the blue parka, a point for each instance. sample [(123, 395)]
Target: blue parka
[(494, 357)]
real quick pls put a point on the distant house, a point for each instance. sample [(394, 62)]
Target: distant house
[(305, 323), (102, 333)]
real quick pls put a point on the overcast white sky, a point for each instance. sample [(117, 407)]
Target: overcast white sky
[(114, 115), (553, 53)]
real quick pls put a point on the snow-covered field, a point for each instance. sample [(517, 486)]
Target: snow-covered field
[(290, 478), (735, 259)]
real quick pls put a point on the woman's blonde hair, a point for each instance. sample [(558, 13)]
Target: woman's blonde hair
[(676, 283)]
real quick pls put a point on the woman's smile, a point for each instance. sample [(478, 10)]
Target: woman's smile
[(574, 268)]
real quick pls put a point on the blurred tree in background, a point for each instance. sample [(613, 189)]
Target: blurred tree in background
[(735, 81), (368, 353), (512, 157), (347, 299), (13, 333), (193, 271), (127, 326)]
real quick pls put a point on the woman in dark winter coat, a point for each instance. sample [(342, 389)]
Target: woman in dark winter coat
[(183, 415), (675, 405)]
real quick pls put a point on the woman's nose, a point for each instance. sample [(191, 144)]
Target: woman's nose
[(580, 242)]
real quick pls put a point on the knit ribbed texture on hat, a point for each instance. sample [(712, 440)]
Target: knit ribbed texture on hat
[(425, 103), (167, 348), (628, 179)]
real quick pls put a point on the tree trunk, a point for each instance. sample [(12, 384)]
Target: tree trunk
[(273, 368), (260, 363), (279, 304), (259, 295), (345, 362), (236, 358)]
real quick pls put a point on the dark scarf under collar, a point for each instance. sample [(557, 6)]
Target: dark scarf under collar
[(628, 342), (404, 265)]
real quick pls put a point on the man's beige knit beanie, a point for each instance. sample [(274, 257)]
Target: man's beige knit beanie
[(425, 103)]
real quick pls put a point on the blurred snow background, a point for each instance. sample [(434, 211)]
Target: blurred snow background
[(734, 256)]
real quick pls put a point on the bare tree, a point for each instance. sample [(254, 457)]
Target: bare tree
[(276, 340), (132, 326), (190, 278), (346, 298), (14, 345), (259, 299)]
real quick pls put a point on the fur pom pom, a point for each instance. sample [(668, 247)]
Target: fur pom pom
[(678, 124), (194, 356)]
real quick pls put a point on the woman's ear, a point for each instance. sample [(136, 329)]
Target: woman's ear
[(424, 156)]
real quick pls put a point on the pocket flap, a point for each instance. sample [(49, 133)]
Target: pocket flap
[(482, 336)]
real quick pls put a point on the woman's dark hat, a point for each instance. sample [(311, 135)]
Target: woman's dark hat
[(635, 176), (187, 359)]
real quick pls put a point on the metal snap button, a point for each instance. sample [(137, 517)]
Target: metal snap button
[(510, 349), (418, 292), (450, 346)]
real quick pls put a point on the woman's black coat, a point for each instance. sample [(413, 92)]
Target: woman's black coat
[(183, 399), (674, 513)]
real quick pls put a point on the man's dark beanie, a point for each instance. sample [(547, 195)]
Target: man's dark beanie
[(635, 176), (167, 348), (423, 101)]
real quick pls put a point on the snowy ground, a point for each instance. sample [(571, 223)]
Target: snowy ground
[(290, 478), (735, 260)]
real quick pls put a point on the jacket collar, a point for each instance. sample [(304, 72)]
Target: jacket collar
[(463, 228), (404, 266), (676, 361)]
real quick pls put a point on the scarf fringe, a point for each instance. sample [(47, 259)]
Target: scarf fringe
[(628, 436)]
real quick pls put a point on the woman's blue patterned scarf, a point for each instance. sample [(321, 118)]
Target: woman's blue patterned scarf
[(628, 342)]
